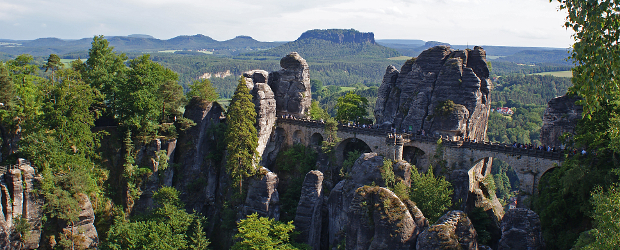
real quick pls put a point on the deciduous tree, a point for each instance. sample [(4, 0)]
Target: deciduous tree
[(352, 107), (431, 194)]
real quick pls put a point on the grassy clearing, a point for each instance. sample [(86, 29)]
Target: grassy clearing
[(567, 73), (67, 62), (224, 102), (399, 58), (169, 51), (346, 89)]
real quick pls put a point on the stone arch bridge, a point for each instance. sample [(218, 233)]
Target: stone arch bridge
[(529, 164)]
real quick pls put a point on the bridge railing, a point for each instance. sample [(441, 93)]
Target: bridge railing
[(486, 146)]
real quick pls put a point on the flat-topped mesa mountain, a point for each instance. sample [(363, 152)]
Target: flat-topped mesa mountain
[(339, 36), (442, 91), (332, 44)]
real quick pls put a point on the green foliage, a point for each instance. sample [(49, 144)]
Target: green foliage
[(132, 173), (105, 70), (202, 89), (387, 173), (241, 136), (445, 108), (149, 96), (505, 179), (606, 217), (522, 127), (53, 64), (596, 26), (292, 166), (352, 107), (489, 184), (22, 227), (431, 194), (401, 190), (530, 89), (169, 226), (348, 162), (328, 145), (482, 223), (7, 87), (564, 202), (260, 233), (298, 159), (316, 112), (62, 145)]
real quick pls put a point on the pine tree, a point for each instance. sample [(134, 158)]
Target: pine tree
[(241, 136)]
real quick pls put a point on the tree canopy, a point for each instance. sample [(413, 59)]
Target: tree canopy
[(241, 136), (263, 233), (566, 198), (352, 107)]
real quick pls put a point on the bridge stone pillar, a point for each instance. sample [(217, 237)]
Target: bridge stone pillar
[(399, 146)]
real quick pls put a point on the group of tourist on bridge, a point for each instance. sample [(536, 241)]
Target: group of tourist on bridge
[(393, 134)]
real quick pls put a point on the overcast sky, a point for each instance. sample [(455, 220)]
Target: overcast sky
[(536, 23)]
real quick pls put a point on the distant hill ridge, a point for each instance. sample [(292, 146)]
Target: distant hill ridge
[(133, 43)]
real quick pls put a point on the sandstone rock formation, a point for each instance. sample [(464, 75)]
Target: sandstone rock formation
[(19, 200), (561, 116), (291, 86), (263, 197), (265, 104), (521, 230), (378, 219), (441, 91), (199, 172), (402, 172), (452, 231), (308, 219), (84, 228), (157, 156), (342, 208)]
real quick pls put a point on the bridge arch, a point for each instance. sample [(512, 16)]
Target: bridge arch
[(350, 145), (415, 156), (316, 139)]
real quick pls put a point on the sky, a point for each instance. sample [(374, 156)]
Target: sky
[(530, 23)]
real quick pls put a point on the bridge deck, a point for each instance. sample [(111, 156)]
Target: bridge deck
[(484, 146)]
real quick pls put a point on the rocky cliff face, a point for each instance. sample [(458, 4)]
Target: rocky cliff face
[(291, 86), (85, 227), (200, 173), (346, 209), (378, 219), (18, 200), (339, 36), (263, 98), (561, 116), (442, 91), (521, 230), (308, 219), (158, 156), (263, 197), (452, 231)]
